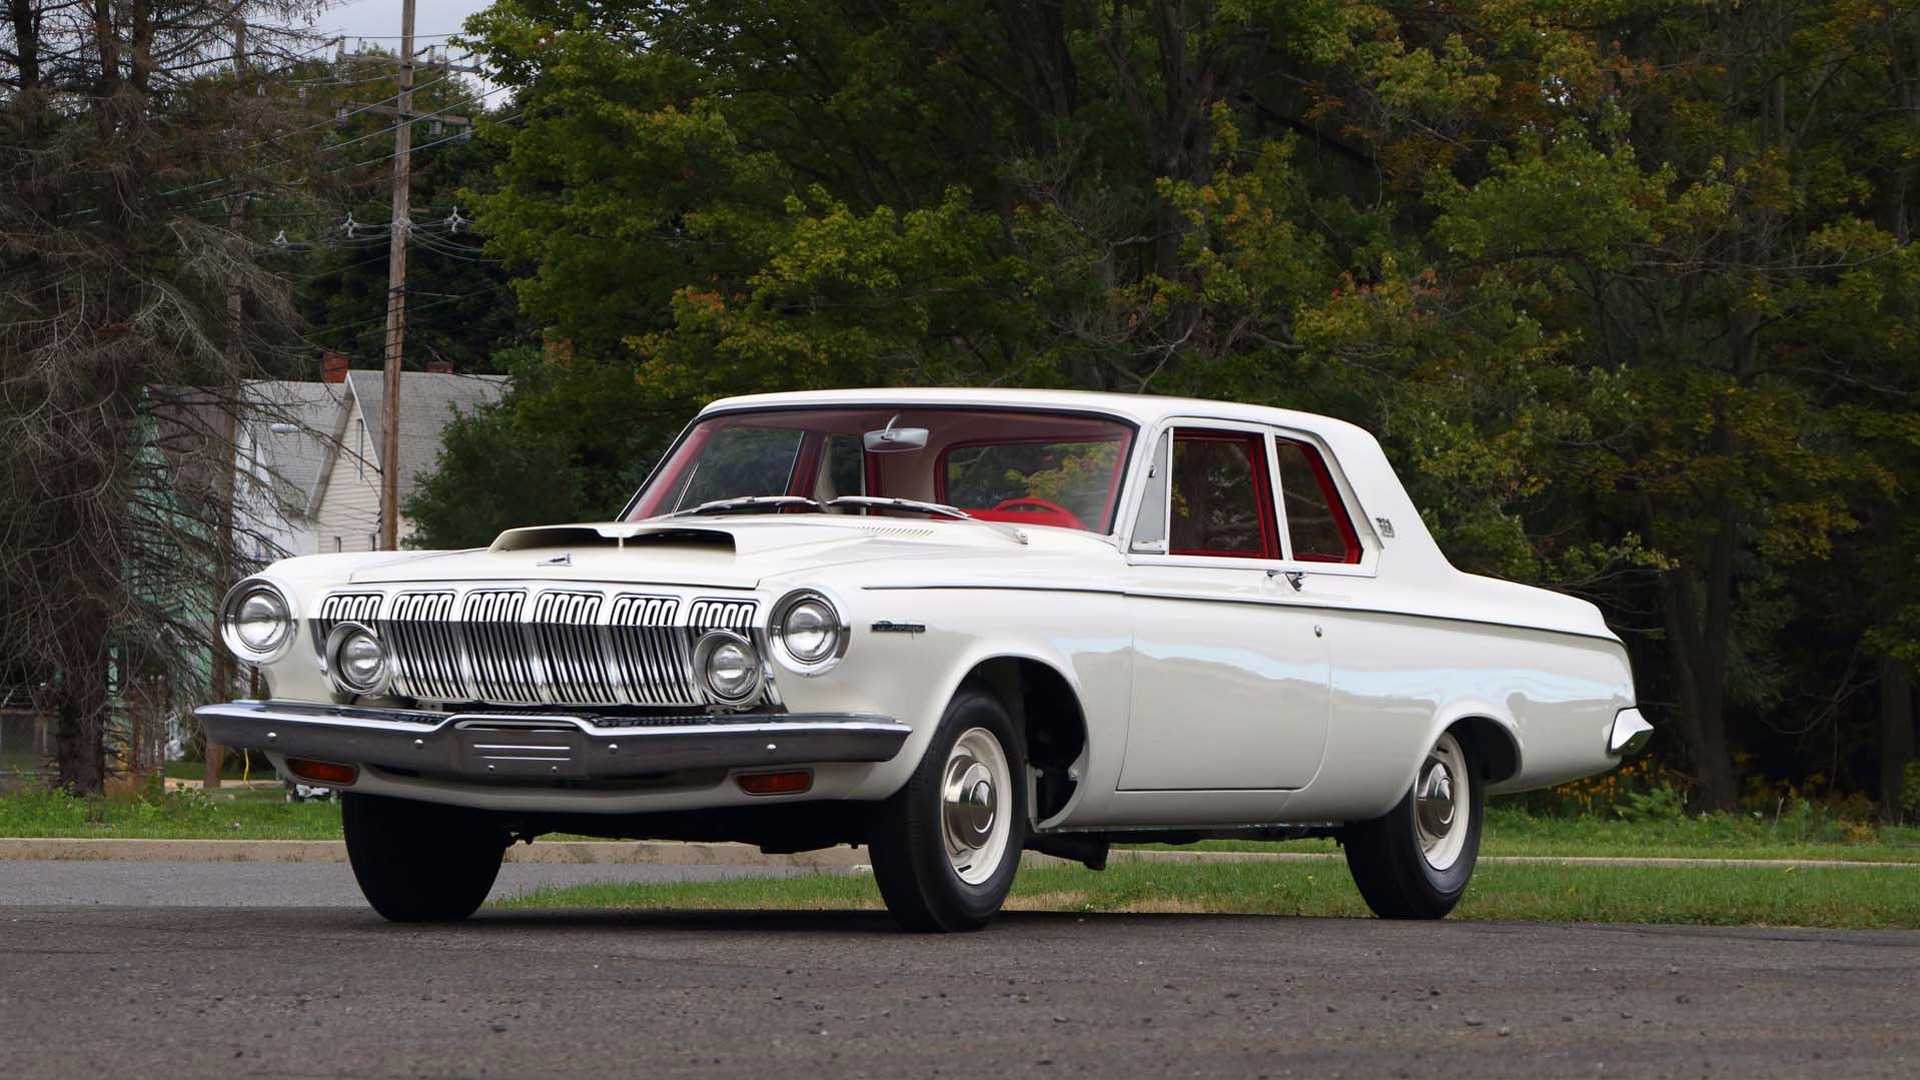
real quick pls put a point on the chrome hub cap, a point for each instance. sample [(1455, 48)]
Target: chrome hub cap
[(1440, 804), (971, 790)]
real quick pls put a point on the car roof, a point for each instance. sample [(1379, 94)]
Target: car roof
[(1142, 409)]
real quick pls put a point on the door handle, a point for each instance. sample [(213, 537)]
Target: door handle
[(1295, 578)]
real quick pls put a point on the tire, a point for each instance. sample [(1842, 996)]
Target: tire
[(1413, 867), (919, 839), (421, 862)]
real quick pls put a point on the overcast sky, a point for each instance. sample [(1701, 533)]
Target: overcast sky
[(433, 20)]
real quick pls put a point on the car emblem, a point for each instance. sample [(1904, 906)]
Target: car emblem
[(559, 560)]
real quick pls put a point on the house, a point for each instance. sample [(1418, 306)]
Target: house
[(281, 446), (344, 510)]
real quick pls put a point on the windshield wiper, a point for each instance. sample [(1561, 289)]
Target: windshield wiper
[(937, 509), (747, 502)]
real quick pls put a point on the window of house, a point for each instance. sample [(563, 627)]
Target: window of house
[(1317, 522), (1222, 502)]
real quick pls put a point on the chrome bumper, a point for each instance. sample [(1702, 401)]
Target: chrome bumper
[(487, 746), (1629, 734)]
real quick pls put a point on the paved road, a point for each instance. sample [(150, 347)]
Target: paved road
[(104, 991)]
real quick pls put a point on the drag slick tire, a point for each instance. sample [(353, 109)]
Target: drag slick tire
[(421, 862), (946, 846)]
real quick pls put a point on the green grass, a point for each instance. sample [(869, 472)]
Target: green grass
[(263, 815), (1706, 896), (241, 815), (1797, 834)]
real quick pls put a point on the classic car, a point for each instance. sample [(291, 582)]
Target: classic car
[(950, 625)]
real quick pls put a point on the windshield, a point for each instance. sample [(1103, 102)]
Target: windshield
[(1025, 468)]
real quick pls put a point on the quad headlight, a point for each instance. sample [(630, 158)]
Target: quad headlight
[(357, 661), (808, 633), (256, 621), (729, 667)]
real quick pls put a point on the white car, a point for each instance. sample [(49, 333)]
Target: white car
[(951, 625)]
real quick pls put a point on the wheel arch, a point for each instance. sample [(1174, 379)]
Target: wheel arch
[(1052, 721)]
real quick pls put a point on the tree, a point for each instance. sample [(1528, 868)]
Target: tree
[(128, 130)]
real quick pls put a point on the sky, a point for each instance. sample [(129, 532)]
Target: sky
[(379, 20)]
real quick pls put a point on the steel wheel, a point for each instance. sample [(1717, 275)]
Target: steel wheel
[(1441, 793), (1414, 861), (947, 845), (972, 796)]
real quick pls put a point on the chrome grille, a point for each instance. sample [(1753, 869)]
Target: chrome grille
[(651, 658), (420, 631), (522, 645), (496, 642), (567, 636), (362, 608)]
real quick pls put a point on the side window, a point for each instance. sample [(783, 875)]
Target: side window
[(1222, 490), (1317, 523)]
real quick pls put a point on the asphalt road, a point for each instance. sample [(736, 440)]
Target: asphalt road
[(260, 991)]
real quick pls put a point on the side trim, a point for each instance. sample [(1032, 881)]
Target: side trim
[(1287, 603)]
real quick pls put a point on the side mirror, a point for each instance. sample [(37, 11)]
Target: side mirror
[(895, 440)]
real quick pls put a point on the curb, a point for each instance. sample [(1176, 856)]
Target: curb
[(666, 853)]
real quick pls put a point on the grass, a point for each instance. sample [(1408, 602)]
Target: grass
[(240, 815), (1886, 898), (264, 815), (1796, 834)]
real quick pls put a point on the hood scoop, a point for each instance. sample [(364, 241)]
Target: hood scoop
[(619, 535)]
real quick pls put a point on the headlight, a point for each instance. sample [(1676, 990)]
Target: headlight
[(729, 667), (356, 660), (256, 622), (809, 633)]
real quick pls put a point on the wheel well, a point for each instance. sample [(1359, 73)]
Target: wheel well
[(1050, 719), (1493, 745)]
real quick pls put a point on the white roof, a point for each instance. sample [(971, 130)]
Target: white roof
[(1140, 408)]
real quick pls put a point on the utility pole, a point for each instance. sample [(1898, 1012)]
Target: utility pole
[(215, 756), (397, 288)]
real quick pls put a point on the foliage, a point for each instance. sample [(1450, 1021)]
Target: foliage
[(1628, 292)]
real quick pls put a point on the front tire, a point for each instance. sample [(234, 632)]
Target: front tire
[(1415, 862), (421, 862), (946, 846)]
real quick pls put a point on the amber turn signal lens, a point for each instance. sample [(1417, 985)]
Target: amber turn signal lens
[(323, 772), (775, 783)]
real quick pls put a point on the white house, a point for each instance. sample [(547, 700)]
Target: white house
[(311, 453)]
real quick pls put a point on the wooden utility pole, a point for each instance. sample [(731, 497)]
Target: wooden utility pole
[(397, 288), (215, 756)]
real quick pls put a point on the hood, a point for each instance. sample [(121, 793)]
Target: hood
[(733, 554)]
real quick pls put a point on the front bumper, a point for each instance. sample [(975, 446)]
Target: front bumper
[(483, 746)]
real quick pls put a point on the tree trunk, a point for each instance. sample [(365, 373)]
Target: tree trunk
[(79, 738), (1896, 733)]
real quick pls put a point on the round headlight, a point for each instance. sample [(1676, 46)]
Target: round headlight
[(356, 659), (728, 665), (809, 633), (256, 622)]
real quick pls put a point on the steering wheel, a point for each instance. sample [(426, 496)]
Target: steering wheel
[(1035, 504)]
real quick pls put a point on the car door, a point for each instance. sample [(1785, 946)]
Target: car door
[(1231, 674)]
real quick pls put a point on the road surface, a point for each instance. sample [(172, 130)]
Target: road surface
[(90, 990)]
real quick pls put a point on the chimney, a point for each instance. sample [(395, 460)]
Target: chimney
[(440, 367), (333, 366)]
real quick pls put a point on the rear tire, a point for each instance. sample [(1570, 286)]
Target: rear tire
[(421, 862), (1415, 862), (945, 848)]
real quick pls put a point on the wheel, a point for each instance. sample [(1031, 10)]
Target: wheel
[(1414, 863), (420, 862), (945, 847)]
